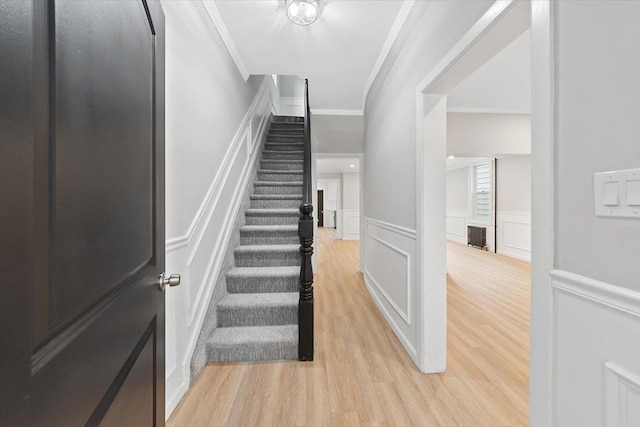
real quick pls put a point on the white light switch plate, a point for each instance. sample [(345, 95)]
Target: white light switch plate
[(617, 193)]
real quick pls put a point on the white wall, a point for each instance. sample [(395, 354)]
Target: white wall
[(457, 204), (291, 90), (501, 85), (486, 134), (595, 308), (214, 122), (513, 202), (337, 134), (430, 31), (351, 206), (206, 99)]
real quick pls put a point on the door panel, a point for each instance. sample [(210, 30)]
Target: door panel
[(82, 213), (102, 152), (134, 399)]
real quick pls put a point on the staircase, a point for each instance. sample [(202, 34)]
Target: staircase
[(258, 318)]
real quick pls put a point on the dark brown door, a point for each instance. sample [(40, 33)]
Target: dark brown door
[(81, 213), (320, 208)]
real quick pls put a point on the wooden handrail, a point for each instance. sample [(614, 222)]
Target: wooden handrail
[(305, 233)]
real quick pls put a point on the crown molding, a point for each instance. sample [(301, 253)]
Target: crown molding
[(403, 13), (330, 112), (216, 18)]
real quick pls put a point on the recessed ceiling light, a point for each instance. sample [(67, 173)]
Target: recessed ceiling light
[(302, 12), (451, 157), (352, 166)]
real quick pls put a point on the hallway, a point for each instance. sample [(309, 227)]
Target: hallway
[(361, 374)]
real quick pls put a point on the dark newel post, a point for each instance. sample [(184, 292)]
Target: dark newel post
[(305, 308), (305, 233)]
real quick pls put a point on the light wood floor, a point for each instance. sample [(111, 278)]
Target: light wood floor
[(361, 374)]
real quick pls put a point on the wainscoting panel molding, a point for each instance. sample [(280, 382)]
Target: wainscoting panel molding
[(199, 253), (595, 351), (350, 224), (514, 234), (457, 220), (390, 277), (622, 397)]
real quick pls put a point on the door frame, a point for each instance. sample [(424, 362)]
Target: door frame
[(338, 200), (431, 201), (314, 184), (318, 214)]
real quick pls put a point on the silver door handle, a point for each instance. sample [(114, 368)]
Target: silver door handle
[(171, 280)]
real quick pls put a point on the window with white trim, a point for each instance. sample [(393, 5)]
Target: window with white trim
[(482, 192)]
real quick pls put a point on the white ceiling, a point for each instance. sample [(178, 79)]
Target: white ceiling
[(502, 85), (337, 53), (337, 165)]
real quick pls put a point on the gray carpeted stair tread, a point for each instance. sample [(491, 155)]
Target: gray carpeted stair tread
[(276, 196), (278, 183), (237, 301), (272, 212), (282, 172), (276, 164), (284, 147), (265, 255), (268, 248), (263, 279), (275, 201), (285, 139), (254, 334), (271, 228), (269, 234), (258, 272), (297, 152), (253, 343), (288, 119), (258, 309)]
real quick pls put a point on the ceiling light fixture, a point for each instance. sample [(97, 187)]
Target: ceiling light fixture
[(352, 166), (451, 157), (302, 12)]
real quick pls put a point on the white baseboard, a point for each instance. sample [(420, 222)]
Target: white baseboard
[(199, 253)]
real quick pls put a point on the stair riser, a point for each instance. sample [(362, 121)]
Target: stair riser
[(275, 204), (257, 316), (268, 189), (274, 239), (253, 353), (284, 147), (252, 285), (267, 259), (280, 166), (282, 155), (280, 177)]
